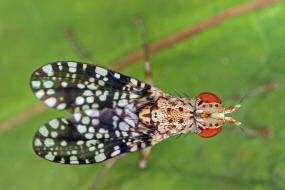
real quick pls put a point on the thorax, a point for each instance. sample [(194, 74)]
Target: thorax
[(169, 116)]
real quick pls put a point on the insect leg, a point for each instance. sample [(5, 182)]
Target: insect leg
[(80, 51), (108, 165), (148, 74), (144, 156), (145, 45), (261, 89)]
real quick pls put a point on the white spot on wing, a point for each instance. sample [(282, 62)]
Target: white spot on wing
[(116, 95), (49, 142), (89, 135), (123, 126), (64, 84), (117, 133), (91, 130), (103, 98), (101, 83), (117, 75), (84, 67), (99, 135), (54, 134), (39, 94), (90, 99), (115, 153), (95, 122), (38, 142), (95, 105), (43, 131), (77, 116), (50, 91), (48, 70), (71, 64), (116, 147), (122, 103), (87, 93), (130, 121), (80, 142), (79, 100), (100, 157), (134, 148), (98, 92), (72, 158), (124, 95), (124, 134), (91, 143), (92, 86), (50, 101), (134, 96), (49, 156), (134, 81), (48, 84), (63, 143), (72, 69), (86, 120), (74, 161), (101, 71), (36, 84), (119, 111), (102, 130), (81, 128), (92, 113), (54, 123), (61, 106), (81, 86)]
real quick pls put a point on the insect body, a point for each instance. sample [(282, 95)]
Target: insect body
[(113, 114)]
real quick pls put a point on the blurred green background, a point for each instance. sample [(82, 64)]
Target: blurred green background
[(235, 56)]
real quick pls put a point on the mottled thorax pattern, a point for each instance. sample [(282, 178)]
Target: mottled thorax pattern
[(169, 116)]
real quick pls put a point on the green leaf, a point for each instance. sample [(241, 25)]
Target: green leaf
[(233, 57)]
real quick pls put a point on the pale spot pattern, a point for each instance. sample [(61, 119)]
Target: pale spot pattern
[(36, 84), (50, 101), (104, 121), (39, 94)]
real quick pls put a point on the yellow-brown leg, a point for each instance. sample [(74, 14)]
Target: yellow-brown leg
[(108, 165), (144, 156), (144, 153), (78, 48), (148, 75), (145, 46), (261, 89)]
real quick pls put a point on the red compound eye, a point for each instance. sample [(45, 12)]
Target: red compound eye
[(210, 132), (209, 97)]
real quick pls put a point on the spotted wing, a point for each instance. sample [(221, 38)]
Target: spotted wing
[(78, 86), (91, 136)]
